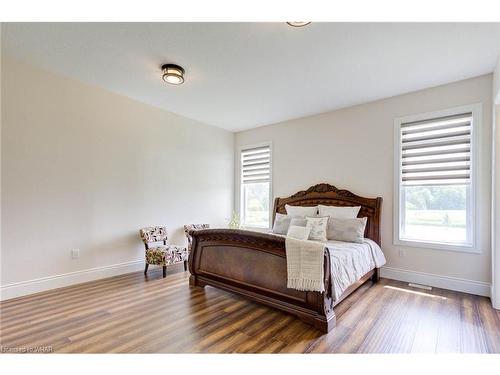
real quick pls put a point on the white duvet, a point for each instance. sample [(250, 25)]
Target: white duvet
[(350, 261)]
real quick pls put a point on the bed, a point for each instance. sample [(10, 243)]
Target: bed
[(253, 264)]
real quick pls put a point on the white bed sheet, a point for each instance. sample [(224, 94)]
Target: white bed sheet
[(350, 261)]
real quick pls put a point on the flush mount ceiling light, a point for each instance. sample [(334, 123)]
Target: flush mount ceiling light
[(173, 74), (298, 24)]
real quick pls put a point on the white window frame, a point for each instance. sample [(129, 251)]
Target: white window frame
[(240, 177), (477, 121)]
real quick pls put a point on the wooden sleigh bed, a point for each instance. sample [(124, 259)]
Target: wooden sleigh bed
[(253, 264)]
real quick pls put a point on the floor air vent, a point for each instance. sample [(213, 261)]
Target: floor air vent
[(420, 286)]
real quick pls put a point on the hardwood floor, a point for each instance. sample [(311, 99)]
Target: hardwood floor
[(134, 313)]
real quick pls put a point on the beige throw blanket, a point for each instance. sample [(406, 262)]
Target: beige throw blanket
[(304, 262)]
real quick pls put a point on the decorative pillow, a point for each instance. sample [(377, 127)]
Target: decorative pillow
[(298, 221), (348, 230), (301, 211), (299, 233), (281, 223), (318, 227), (339, 212)]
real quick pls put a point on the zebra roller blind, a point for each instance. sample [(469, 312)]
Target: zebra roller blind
[(437, 151), (256, 165)]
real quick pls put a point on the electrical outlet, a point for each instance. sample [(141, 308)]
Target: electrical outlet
[(75, 253), (402, 253)]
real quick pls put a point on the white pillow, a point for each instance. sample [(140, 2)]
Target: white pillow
[(339, 212), (348, 230), (281, 223), (301, 211), (318, 228), (298, 221), (299, 233)]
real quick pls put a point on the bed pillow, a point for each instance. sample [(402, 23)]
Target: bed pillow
[(348, 230), (281, 223), (298, 221), (301, 210), (339, 212), (299, 233), (318, 227)]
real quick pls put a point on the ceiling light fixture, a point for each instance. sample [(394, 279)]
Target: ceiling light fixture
[(298, 24), (173, 74)]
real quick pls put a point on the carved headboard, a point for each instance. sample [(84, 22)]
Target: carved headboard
[(329, 195)]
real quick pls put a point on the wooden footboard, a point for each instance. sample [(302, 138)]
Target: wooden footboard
[(254, 265)]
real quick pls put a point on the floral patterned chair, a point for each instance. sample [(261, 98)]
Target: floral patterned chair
[(161, 255), (189, 227)]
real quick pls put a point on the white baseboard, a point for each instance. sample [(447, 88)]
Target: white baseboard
[(445, 282), (58, 281)]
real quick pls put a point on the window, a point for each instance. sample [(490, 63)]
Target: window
[(434, 200), (255, 186)]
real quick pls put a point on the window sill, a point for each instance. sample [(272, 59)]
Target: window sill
[(255, 229), (438, 246)]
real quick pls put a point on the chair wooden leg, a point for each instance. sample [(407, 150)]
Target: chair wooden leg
[(164, 271), (146, 269), (185, 265)]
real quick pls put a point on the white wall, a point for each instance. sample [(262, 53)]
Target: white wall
[(353, 148), (495, 296), (85, 168), (1, 127), (496, 83)]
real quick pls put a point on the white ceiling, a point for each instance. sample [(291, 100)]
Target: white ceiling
[(244, 75)]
